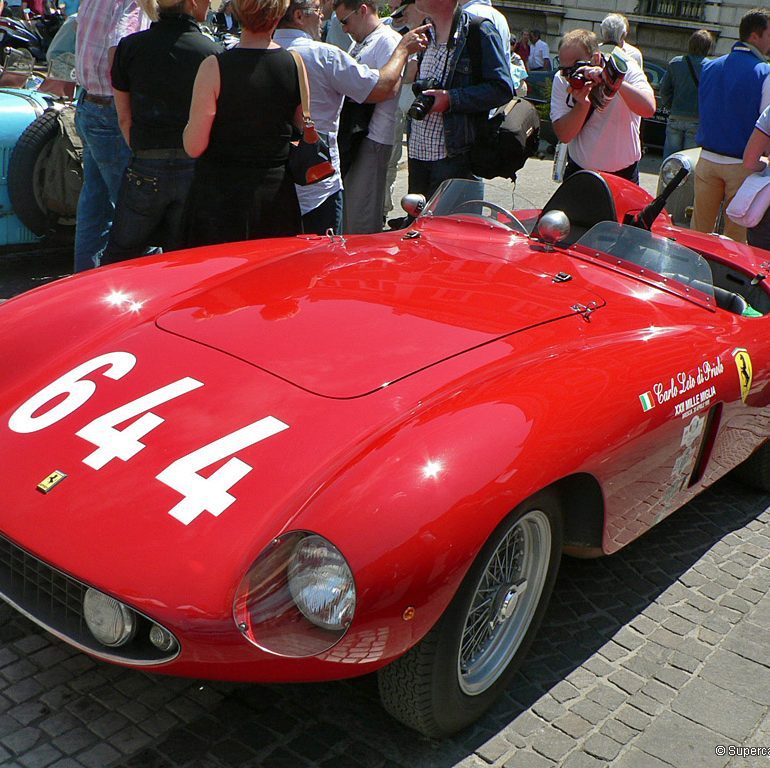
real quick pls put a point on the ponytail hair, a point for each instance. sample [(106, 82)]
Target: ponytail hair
[(153, 7), (150, 7)]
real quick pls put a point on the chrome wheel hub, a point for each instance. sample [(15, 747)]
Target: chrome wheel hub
[(507, 600)]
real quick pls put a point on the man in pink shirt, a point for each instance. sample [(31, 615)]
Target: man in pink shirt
[(101, 26)]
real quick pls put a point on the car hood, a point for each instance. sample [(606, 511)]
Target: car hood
[(312, 319), (344, 322)]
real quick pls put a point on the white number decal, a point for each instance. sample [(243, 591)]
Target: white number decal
[(76, 388), (125, 443), (210, 494)]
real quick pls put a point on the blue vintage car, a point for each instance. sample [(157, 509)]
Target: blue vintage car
[(34, 113)]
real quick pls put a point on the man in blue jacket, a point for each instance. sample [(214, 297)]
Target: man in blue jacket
[(440, 142), (734, 90)]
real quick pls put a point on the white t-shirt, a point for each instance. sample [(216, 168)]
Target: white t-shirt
[(538, 53), (375, 51), (609, 140)]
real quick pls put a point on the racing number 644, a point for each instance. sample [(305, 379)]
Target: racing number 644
[(201, 494)]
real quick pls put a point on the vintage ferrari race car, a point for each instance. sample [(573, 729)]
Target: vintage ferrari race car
[(318, 457)]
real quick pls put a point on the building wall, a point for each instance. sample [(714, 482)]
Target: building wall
[(660, 37)]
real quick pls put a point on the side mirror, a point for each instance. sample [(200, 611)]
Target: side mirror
[(413, 204), (553, 227)]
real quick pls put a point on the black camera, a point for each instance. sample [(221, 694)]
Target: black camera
[(422, 104), (613, 74), (575, 76), (614, 68)]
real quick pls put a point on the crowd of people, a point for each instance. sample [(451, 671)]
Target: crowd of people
[(22, 9), (186, 144)]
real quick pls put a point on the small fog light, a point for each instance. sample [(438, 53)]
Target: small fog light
[(162, 639), (110, 622)]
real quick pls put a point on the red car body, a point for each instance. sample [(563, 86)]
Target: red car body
[(408, 389)]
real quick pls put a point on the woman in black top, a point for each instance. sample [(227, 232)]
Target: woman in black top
[(152, 76), (245, 103)]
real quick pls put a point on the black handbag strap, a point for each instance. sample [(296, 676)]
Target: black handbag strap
[(474, 47), (692, 71), (477, 74)]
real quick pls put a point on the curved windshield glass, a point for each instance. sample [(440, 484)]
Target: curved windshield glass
[(650, 253), (484, 199)]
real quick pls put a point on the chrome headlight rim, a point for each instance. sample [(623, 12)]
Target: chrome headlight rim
[(265, 610), (672, 165)]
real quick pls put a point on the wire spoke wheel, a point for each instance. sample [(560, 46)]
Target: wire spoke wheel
[(462, 665), (504, 603)]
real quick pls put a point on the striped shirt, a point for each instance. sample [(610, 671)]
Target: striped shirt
[(101, 26)]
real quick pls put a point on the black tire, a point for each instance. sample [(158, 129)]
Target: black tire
[(25, 173), (755, 471), (439, 687)]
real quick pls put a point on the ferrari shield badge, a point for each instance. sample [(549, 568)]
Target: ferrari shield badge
[(50, 482), (743, 364)]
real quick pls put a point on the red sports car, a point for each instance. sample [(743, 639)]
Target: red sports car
[(313, 458)]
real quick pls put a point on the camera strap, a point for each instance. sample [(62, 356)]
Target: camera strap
[(450, 44)]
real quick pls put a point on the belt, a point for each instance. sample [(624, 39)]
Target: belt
[(104, 101), (162, 154)]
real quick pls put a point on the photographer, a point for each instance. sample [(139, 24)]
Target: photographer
[(444, 114), (596, 106)]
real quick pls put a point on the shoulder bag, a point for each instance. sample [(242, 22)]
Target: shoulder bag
[(309, 158), (505, 140)]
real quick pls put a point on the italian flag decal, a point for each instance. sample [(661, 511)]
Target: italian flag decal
[(647, 402)]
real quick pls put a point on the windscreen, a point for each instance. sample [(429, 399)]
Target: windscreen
[(478, 198), (651, 253)]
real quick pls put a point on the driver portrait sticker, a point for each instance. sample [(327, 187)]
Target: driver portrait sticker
[(745, 372)]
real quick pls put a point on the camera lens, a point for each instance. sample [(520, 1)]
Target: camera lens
[(420, 107)]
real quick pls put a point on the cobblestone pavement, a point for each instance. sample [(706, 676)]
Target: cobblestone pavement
[(654, 657)]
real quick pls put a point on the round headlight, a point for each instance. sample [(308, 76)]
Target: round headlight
[(321, 584), (110, 622), (672, 165)]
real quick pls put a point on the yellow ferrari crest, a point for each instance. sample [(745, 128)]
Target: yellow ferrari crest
[(50, 482), (745, 372)]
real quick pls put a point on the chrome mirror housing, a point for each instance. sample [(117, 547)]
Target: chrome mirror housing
[(553, 227), (413, 204)]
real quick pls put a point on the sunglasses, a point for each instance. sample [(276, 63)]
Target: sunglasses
[(344, 22)]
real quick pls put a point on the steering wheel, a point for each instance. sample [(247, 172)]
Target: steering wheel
[(511, 221)]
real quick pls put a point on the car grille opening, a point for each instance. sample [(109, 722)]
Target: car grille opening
[(54, 600)]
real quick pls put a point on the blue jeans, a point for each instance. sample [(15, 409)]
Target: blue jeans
[(105, 157), (150, 209), (425, 176), (680, 134), (631, 172)]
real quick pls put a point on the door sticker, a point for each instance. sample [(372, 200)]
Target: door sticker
[(688, 391)]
